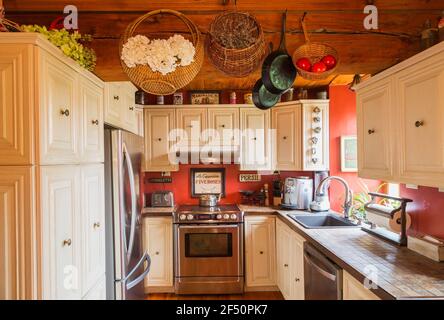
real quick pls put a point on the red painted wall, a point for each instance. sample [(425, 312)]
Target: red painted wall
[(181, 185), (343, 122)]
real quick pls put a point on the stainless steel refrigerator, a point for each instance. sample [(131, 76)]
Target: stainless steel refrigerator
[(127, 265)]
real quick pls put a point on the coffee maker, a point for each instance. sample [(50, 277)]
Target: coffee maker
[(297, 193)]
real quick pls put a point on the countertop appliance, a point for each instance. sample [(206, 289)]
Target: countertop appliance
[(209, 249), (162, 199), (126, 263), (323, 278), (297, 193)]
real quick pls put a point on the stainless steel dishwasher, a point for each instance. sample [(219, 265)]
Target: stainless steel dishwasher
[(323, 278)]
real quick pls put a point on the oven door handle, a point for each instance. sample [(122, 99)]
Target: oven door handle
[(212, 226)]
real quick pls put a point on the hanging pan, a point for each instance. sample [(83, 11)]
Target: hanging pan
[(278, 71), (262, 98)]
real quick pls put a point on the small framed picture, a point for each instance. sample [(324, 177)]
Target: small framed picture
[(207, 181), (204, 97), (349, 154)]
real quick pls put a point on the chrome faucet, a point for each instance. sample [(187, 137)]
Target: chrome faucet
[(322, 202)]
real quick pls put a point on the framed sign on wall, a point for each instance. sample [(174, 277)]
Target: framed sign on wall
[(349, 154), (207, 181)]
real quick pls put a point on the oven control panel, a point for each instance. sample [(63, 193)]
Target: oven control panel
[(209, 217)]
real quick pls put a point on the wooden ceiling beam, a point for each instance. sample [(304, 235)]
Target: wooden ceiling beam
[(142, 6)]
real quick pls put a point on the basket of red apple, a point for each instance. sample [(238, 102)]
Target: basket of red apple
[(315, 61)]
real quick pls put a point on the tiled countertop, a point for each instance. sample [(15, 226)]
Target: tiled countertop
[(157, 212), (400, 271)]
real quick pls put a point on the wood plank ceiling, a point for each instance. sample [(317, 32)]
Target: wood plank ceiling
[(338, 23)]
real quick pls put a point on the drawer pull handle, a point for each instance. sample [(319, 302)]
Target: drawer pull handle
[(96, 122), (297, 279), (419, 123), (371, 131), (285, 265), (67, 242), (64, 112), (96, 225), (116, 97)]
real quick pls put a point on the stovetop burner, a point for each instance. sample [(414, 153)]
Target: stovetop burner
[(227, 213)]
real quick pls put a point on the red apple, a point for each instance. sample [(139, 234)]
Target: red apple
[(329, 61), (304, 64), (319, 67)]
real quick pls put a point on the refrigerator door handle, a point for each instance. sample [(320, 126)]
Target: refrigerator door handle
[(133, 200), (146, 257)]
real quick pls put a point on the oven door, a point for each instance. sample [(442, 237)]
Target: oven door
[(209, 251)]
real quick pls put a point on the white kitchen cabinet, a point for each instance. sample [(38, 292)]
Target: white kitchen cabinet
[(290, 262), (225, 125), (61, 238), (158, 242), (120, 105), (420, 131), (375, 138), (129, 110), (260, 252), (91, 123), (140, 122), (158, 142), (287, 139), (59, 112), (98, 292), (191, 122), (355, 290), (315, 133), (255, 140), (92, 222)]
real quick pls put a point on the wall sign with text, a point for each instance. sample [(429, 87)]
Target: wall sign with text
[(207, 181), (249, 177)]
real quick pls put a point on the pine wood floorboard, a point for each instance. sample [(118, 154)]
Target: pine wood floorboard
[(273, 295)]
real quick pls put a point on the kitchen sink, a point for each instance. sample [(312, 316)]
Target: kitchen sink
[(322, 221)]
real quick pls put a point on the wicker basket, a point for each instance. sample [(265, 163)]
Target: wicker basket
[(154, 82), (233, 61), (314, 52)]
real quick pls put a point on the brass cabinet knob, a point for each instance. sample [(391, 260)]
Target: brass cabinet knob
[(222, 126), (64, 112), (371, 131), (285, 265), (297, 279), (67, 242), (157, 253), (96, 122), (116, 97), (261, 252), (131, 108), (159, 139), (419, 123), (284, 137), (96, 225), (254, 138)]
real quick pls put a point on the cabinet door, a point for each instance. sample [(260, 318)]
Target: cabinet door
[(284, 261), (59, 113), (297, 267), (287, 129), (91, 104), (192, 122), (374, 111), (315, 133), (421, 123), (255, 145), (113, 102), (158, 242), (60, 199), (17, 104), (98, 292), (140, 122), (92, 225), (158, 125), (260, 252), (355, 290), (225, 125), (18, 249), (129, 109)]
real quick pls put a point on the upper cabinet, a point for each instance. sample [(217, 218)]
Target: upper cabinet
[(255, 141), (400, 121), (16, 110), (375, 132), (224, 123), (191, 122), (158, 142), (120, 106)]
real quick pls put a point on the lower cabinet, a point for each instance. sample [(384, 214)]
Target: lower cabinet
[(355, 290), (73, 253), (290, 262), (260, 255), (158, 242)]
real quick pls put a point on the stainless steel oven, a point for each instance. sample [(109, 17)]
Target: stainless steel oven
[(209, 251)]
